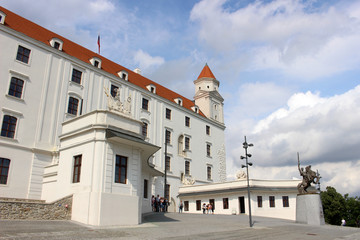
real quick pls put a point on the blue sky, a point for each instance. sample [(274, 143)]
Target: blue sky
[(289, 70)]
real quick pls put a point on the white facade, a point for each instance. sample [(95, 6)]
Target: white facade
[(54, 107), (268, 198)]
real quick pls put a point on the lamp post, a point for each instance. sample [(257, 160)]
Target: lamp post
[(247, 155), (165, 172)]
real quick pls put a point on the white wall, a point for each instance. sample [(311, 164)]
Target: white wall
[(42, 110)]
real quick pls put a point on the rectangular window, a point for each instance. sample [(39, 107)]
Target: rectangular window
[(209, 172), (73, 105), (144, 129), (96, 63), (120, 169), (167, 136), (168, 114), (4, 170), (8, 126), (145, 188), (16, 87), (76, 76), (77, 168), (198, 205), (167, 163), (187, 168), (167, 191), (208, 150), (114, 90), (187, 121), (259, 201), (187, 143), (186, 206), (145, 104), (272, 201), (207, 130), (23, 54), (225, 203), (57, 45), (285, 201)]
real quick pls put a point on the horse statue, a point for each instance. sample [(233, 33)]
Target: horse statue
[(309, 176)]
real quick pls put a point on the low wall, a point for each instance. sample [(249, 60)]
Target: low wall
[(11, 208)]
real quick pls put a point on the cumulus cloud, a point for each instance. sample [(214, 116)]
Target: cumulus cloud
[(325, 131), (292, 36), (147, 62)]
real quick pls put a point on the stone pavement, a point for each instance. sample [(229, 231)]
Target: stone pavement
[(177, 226)]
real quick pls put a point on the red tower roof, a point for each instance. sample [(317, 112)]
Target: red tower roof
[(206, 72)]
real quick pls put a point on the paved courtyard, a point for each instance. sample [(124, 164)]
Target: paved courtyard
[(177, 226)]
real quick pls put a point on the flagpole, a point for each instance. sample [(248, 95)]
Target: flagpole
[(98, 43)]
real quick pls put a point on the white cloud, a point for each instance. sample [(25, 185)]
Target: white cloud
[(325, 131), (292, 36), (146, 62), (100, 6)]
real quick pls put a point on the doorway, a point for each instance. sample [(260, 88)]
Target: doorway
[(212, 202), (242, 204)]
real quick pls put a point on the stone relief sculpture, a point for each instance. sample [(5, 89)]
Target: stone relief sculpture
[(187, 180), (240, 175), (308, 176), (115, 104)]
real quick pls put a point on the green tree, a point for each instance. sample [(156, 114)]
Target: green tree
[(333, 206), (352, 211)]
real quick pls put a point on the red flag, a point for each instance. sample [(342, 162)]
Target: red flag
[(98, 43)]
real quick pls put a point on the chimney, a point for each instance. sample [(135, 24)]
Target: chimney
[(137, 70)]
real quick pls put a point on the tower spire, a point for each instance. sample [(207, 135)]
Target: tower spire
[(206, 72)]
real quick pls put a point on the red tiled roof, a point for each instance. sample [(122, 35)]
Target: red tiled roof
[(43, 35), (206, 72)]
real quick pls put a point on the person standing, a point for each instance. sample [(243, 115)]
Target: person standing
[(181, 207), (204, 208), (210, 208)]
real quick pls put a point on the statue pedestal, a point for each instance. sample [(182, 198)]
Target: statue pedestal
[(309, 209)]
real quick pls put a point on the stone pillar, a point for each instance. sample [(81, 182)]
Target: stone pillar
[(309, 209)]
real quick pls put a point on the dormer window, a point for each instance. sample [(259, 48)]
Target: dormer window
[(56, 43), (124, 75), (151, 88), (195, 109), (178, 101), (2, 17), (96, 62)]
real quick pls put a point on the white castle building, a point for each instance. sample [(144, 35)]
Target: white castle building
[(76, 123)]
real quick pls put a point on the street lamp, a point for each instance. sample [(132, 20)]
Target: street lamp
[(247, 155)]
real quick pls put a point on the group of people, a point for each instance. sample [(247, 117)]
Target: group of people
[(208, 208), (159, 204)]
